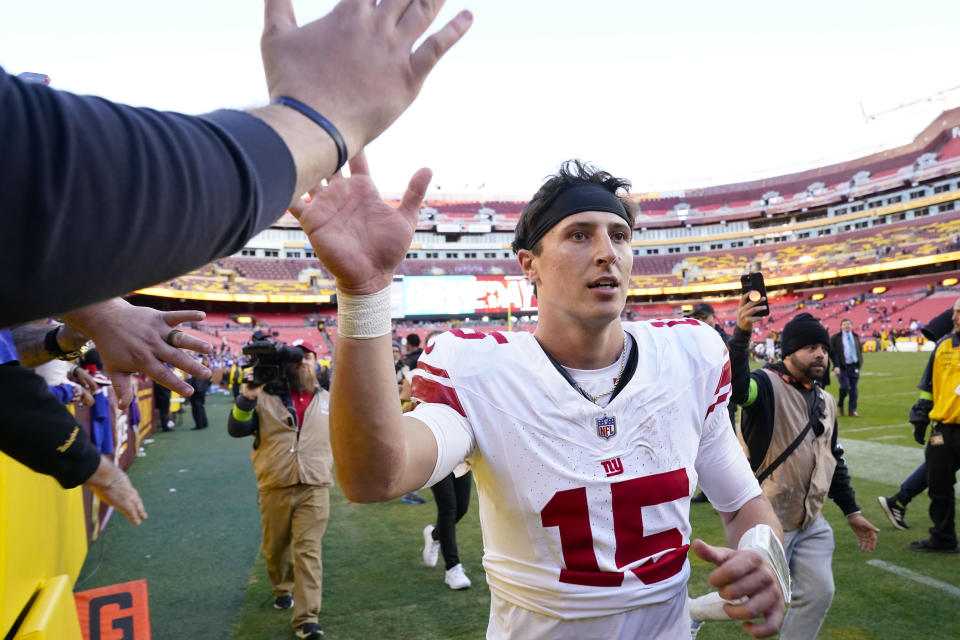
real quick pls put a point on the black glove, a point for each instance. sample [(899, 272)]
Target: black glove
[(920, 431), (920, 418)]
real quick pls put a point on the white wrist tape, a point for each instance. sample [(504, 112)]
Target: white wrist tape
[(761, 538), (363, 317)]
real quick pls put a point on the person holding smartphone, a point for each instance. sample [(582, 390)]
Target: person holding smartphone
[(789, 433)]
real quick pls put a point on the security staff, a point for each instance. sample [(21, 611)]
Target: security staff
[(939, 402)]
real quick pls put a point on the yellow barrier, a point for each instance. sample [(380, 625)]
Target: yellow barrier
[(42, 547)]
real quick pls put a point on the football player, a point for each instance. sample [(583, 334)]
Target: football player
[(586, 437)]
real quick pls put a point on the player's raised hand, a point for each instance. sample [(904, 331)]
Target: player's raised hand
[(356, 65), (359, 238), (745, 574)]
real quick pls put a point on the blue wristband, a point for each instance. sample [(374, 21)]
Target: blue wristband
[(325, 124)]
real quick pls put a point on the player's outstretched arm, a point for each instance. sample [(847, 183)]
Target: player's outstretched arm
[(356, 66), (379, 454), (749, 571)]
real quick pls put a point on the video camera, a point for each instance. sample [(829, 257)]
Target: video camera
[(269, 360)]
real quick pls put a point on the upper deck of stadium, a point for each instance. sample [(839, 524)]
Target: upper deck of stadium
[(886, 215)]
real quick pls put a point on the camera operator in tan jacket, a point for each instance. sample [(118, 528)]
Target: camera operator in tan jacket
[(288, 419)]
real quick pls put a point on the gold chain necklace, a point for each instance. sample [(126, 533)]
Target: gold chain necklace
[(623, 361)]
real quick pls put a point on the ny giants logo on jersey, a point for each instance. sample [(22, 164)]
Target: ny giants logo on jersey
[(612, 467), (606, 427)]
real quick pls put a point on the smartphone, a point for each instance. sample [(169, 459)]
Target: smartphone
[(754, 282)]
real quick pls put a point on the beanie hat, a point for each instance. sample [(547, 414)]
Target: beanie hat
[(804, 329), (703, 309), (939, 326)]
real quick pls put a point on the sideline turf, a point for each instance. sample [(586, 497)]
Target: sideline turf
[(197, 545)]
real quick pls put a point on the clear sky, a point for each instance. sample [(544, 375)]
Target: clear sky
[(668, 94)]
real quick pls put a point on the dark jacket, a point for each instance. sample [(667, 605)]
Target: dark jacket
[(38, 431), (836, 350), (412, 358)]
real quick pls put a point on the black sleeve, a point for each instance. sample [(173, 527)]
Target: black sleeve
[(920, 411), (738, 345), (841, 491), (834, 360), (756, 425), (39, 432), (243, 428), (102, 199), (202, 386), (926, 380)]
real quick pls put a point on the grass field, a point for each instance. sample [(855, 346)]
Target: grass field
[(198, 550)]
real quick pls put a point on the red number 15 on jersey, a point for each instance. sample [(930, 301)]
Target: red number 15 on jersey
[(569, 511)]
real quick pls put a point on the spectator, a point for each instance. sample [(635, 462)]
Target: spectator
[(198, 400), (413, 351), (132, 339), (452, 497), (161, 398), (39, 432)]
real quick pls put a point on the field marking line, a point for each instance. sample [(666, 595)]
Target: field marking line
[(880, 426), (911, 392), (886, 437), (880, 462), (916, 577)]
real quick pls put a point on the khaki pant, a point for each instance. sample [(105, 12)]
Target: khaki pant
[(294, 520)]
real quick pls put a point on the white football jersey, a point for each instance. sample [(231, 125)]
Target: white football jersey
[(584, 510)]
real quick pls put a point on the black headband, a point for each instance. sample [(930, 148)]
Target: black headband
[(579, 197)]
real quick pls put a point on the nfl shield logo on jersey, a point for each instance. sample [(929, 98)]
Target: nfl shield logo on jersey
[(606, 427)]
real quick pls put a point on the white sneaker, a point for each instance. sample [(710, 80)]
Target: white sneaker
[(456, 578), (431, 547)]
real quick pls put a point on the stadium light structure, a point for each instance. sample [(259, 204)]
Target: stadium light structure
[(949, 282), (878, 290)]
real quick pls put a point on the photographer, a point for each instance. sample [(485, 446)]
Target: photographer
[(285, 410)]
